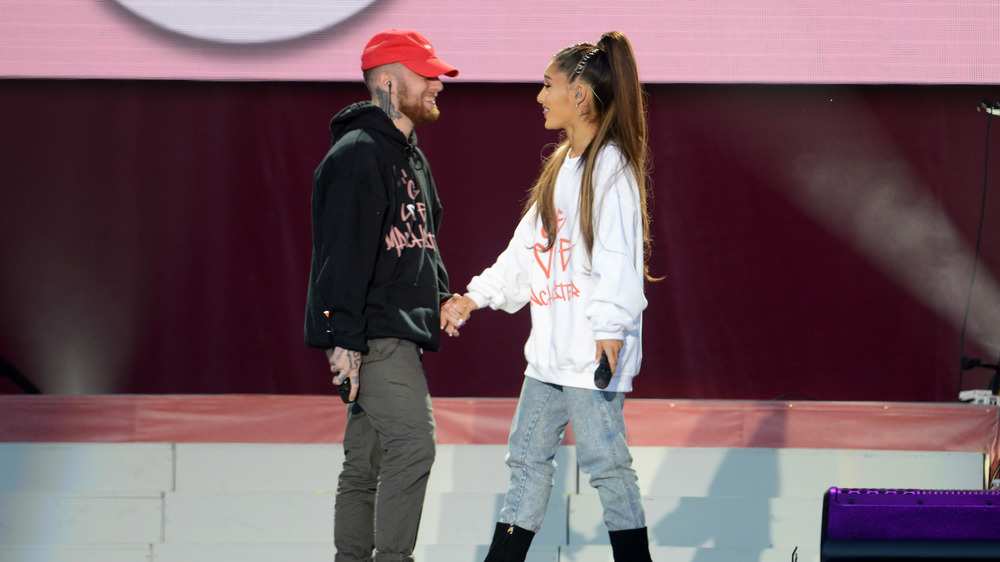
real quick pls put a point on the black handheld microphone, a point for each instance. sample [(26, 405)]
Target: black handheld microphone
[(345, 390), (602, 375)]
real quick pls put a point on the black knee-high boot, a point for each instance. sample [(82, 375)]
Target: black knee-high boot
[(630, 545), (510, 544)]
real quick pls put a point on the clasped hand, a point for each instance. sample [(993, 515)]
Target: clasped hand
[(455, 313)]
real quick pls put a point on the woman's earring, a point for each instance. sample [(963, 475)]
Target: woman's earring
[(576, 105)]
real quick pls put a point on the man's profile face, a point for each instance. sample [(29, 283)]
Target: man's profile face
[(417, 98)]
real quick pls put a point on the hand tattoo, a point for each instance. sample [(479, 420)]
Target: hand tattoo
[(353, 357)]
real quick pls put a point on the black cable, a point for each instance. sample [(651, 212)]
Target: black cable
[(975, 260)]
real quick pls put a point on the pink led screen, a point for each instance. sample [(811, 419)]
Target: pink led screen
[(690, 41)]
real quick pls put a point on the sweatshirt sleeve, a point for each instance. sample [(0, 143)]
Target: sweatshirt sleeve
[(615, 306), (506, 285), (353, 206)]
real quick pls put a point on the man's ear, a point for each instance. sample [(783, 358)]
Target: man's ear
[(384, 81)]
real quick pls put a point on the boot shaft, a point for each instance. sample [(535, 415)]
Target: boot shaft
[(630, 545), (510, 544)]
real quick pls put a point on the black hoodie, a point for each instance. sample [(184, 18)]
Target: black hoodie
[(375, 216)]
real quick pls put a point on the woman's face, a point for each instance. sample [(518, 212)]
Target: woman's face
[(557, 100)]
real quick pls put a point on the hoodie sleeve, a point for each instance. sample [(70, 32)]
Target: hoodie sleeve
[(444, 290), (352, 203), (506, 285), (617, 301)]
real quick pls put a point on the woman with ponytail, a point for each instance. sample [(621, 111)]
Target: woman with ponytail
[(578, 256)]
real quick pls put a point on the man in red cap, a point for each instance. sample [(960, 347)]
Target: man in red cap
[(376, 287)]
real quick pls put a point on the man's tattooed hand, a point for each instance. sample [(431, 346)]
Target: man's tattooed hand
[(345, 364)]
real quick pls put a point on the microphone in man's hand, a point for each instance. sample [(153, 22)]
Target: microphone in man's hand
[(602, 375), (345, 390)]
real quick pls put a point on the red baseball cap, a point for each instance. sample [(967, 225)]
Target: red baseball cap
[(407, 47)]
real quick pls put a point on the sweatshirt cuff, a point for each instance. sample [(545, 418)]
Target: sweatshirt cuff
[(480, 300), (608, 336)]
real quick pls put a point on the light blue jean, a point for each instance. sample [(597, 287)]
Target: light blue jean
[(539, 425)]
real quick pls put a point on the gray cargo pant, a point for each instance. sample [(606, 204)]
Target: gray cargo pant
[(388, 453)]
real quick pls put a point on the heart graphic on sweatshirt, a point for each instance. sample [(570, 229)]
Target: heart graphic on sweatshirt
[(540, 248), (546, 267)]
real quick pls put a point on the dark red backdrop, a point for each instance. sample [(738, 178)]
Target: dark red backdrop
[(154, 236)]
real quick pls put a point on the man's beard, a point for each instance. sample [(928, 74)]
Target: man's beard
[(413, 107)]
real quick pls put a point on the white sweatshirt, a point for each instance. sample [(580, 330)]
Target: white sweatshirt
[(576, 300)]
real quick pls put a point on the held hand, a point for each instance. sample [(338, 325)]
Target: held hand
[(612, 348), (455, 313), (345, 364)]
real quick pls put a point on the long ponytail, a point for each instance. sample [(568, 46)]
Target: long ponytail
[(619, 107)]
